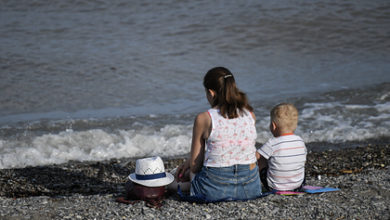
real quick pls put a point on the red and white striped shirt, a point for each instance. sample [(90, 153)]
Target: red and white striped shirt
[(286, 157)]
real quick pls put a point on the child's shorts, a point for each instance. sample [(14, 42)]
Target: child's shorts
[(237, 182)]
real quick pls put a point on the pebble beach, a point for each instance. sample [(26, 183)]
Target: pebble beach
[(87, 190)]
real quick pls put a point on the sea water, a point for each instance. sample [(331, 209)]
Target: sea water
[(94, 80)]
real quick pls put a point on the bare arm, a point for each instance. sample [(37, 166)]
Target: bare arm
[(201, 130), (200, 133)]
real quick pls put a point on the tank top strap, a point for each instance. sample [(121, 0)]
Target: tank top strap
[(214, 113)]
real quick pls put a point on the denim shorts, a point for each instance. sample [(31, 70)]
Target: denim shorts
[(237, 182)]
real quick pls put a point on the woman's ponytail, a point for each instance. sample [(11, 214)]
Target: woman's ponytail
[(229, 99)]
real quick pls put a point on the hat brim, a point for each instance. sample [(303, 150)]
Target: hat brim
[(153, 183)]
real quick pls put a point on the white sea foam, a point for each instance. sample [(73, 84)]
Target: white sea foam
[(94, 144), (318, 122), (337, 122)]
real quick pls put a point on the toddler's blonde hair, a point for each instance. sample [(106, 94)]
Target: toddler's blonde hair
[(285, 116)]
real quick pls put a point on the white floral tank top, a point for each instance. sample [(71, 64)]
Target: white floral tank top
[(231, 141)]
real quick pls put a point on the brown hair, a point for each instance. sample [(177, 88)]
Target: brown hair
[(285, 115), (228, 97)]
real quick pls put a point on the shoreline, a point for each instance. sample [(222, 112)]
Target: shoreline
[(88, 190)]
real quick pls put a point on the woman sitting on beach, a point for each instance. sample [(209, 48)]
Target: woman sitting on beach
[(222, 164)]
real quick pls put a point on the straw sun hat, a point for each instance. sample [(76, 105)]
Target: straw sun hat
[(151, 172)]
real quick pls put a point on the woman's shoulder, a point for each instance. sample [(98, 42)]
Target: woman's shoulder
[(203, 114), (248, 112), (202, 124), (203, 117), (210, 112), (253, 115)]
